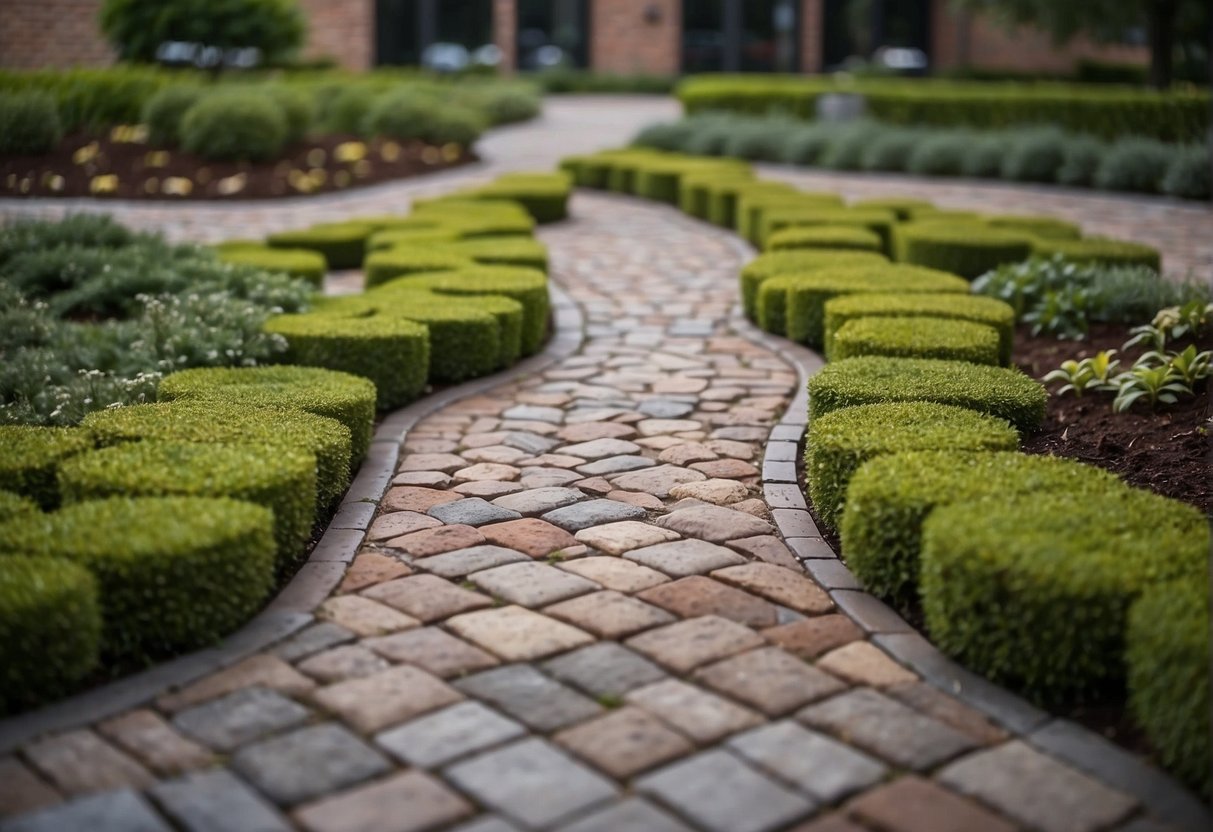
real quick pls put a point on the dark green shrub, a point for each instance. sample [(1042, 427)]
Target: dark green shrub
[(390, 263), (137, 28), (504, 251), (825, 236), (545, 196), (1048, 227), (342, 244), (165, 111), (889, 497), (753, 204), (348, 109), (903, 207), (917, 337), (998, 391), (29, 123), (983, 157), (30, 456), (1100, 250), (982, 310), (840, 442), (847, 144), (963, 249), (1080, 160), (940, 154), (14, 505), (890, 149), (527, 286), (758, 141), (503, 103), (411, 114), (1034, 155), (234, 124), (50, 629), (464, 342), (348, 399), (1134, 165), (173, 573), (1167, 653), (298, 108), (1062, 571), (22, 236), (665, 135), (806, 145), (1188, 175), (773, 263), (297, 262)]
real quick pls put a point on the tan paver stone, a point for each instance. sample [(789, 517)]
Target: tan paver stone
[(830, 823), (617, 538), (656, 481), (615, 573), (654, 427), (702, 716), (685, 453), (731, 448), (912, 804), (696, 595), (385, 698), (768, 548), (609, 614), (363, 616), (487, 471), (80, 762), (661, 443), (21, 790), (680, 385), (714, 523), (532, 584), (411, 801), (446, 463), (420, 444), (680, 558), (397, 523), (155, 743), (775, 583), (683, 646), (499, 454), (435, 541), (636, 498), (863, 663), (811, 637), (530, 535), (624, 742), (371, 568), (429, 479), (552, 461), (599, 449), (930, 700), (477, 439), (488, 489), (517, 634), (595, 485), (589, 431), (417, 499), (770, 680), (432, 649), (719, 492), (427, 598), (755, 507), (262, 670), (349, 661)]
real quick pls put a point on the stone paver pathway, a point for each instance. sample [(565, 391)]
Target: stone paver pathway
[(574, 613)]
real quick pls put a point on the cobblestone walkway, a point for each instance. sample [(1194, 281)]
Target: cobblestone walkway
[(574, 613)]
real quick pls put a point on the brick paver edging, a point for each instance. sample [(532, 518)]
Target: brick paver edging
[(1061, 738), (292, 609)]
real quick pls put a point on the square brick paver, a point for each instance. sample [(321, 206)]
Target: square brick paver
[(417, 499), (21, 790), (472, 511), (702, 716), (696, 595), (78, 762), (770, 680), (262, 670), (911, 804), (811, 637), (463, 562), (580, 516), (531, 697), (217, 800), (411, 801), (364, 616), (456, 731), (371, 568), (427, 597), (680, 558), (532, 584), (604, 669), (307, 763), (112, 811), (617, 538), (387, 697), (683, 646), (240, 717), (863, 663), (530, 535), (624, 742), (430, 542), (629, 815), (153, 741), (610, 614), (615, 573), (434, 650), (810, 762), (517, 634), (779, 585), (348, 661)]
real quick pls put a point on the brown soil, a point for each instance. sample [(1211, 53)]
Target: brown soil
[(134, 170)]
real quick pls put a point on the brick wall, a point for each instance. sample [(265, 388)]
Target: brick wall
[(505, 32), (51, 33), (812, 23), (624, 40), (340, 29)]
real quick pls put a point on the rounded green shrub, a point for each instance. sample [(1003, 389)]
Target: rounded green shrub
[(430, 235), (137, 29), (393, 353), (527, 286), (825, 236), (283, 481), (1080, 160), (889, 497), (388, 264), (775, 219), (471, 223), (545, 196), (50, 629), (173, 573), (1134, 164), (722, 197), (410, 114), (998, 391), (1034, 590), (164, 112), (509, 315), (1101, 250), (695, 189), (965, 249), (29, 123), (1167, 653), (504, 251), (234, 124), (349, 399), (298, 108), (983, 157), (940, 153), (983, 310), (753, 206), (341, 243), (297, 262), (1034, 155), (1048, 227), (14, 505), (774, 263), (30, 456), (347, 110), (890, 149), (903, 207), (1188, 175), (841, 441), (917, 337)]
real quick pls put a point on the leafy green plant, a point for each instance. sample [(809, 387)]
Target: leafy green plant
[(29, 123), (1062, 312), (234, 124), (1088, 374), (1162, 384)]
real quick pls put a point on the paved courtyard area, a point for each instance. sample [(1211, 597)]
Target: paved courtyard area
[(573, 610)]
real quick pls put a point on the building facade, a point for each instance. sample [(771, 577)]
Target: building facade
[(662, 37)]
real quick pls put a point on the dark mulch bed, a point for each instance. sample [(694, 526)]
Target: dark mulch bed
[(141, 171)]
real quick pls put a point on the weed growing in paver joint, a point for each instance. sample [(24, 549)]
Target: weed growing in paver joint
[(610, 701)]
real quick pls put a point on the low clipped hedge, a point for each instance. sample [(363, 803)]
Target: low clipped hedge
[(722, 197), (341, 244), (889, 497), (997, 391), (903, 207), (349, 399), (465, 342), (917, 337), (840, 441), (422, 235), (527, 286), (1038, 226), (469, 218), (825, 236), (14, 505), (282, 480), (777, 219), (297, 262), (773, 263), (696, 189), (50, 628), (173, 573), (1167, 653), (392, 352), (1034, 590), (504, 251), (223, 423), (662, 179), (968, 250), (30, 456), (982, 310), (754, 203), (388, 264), (545, 196), (1100, 250)]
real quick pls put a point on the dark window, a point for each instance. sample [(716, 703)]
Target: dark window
[(740, 35), (553, 33), (855, 29), (404, 28)]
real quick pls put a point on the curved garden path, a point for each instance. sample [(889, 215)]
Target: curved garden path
[(552, 624)]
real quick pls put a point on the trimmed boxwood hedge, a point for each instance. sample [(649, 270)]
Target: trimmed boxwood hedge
[(349, 399), (173, 573), (213, 422), (917, 337), (965, 249), (297, 262), (50, 629), (428, 235), (504, 251), (29, 457), (795, 304), (390, 263), (696, 189), (588, 171), (464, 342), (754, 203), (1100, 250), (904, 207), (280, 479), (545, 196), (527, 286), (723, 194), (776, 219), (998, 391), (839, 442), (14, 505), (341, 243), (825, 236), (773, 263), (1038, 226), (890, 496), (1167, 652), (392, 352), (982, 310), (662, 179), (1034, 590)]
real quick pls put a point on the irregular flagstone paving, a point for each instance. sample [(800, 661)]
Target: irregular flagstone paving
[(574, 612)]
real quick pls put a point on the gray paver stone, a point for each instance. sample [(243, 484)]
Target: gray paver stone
[(446, 735), (315, 638), (465, 561), (472, 511), (539, 500), (604, 668), (487, 824), (527, 695), (118, 811), (241, 717), (217, 801), (665, 409), (616, 465), (600, 448), (532, 584), (308, 762), (574, 518), (680, 558), (810, 762), (630, 815), (534, 413)]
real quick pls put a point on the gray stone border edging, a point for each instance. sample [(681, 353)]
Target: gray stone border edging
[(291, 610)]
